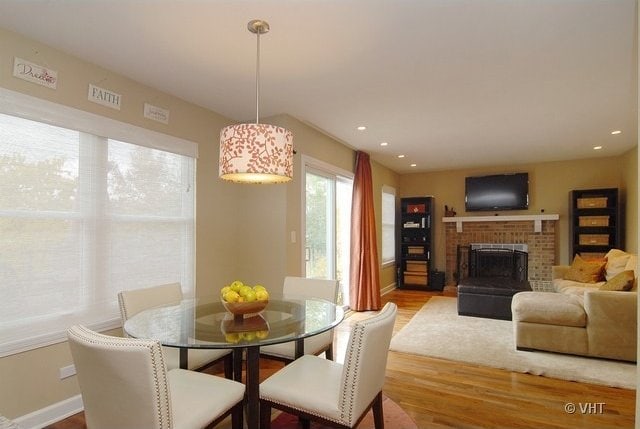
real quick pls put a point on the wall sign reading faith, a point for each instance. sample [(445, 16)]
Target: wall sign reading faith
[(156, 113), (26, 70), (104, 97)]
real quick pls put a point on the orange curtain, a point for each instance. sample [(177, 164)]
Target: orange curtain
[(364, 276)]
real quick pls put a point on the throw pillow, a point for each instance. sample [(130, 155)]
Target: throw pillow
[(621, 282), (632, 265), (616, 261), (584, 271)]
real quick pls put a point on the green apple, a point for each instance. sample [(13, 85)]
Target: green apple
[(262, 295), (232, 337), (231, 296), (244, 290), (236, 285), (250, 296), (248, 336)]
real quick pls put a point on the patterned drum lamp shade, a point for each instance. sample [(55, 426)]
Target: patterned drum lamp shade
[(256, 153)]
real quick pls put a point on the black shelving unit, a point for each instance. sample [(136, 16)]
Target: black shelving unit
[(594, 222), (416, 242)]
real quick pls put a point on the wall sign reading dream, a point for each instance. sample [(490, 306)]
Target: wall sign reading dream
[(31, 72)]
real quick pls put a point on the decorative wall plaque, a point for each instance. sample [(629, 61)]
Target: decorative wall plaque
[(104, 97), (26, 70), (156, 113)]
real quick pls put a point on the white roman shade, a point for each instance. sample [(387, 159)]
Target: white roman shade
[(89, 206), (388, 224)]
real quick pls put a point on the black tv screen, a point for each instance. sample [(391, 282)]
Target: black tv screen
[(497, 192)]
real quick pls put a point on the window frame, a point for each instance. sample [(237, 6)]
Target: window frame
[(35, 109), (388, 190)]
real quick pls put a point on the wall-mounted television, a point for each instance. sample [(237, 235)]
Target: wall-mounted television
[(497, 192)]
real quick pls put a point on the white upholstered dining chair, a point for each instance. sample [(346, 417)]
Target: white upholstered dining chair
[(336, 394), (317, 344), (124, 383), (134, 301)]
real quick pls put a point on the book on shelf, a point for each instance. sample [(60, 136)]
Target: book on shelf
[(411, 225)]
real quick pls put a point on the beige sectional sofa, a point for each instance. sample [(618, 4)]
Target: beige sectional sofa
[(579, 318)]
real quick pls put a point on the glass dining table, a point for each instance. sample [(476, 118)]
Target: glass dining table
[(204, 323)]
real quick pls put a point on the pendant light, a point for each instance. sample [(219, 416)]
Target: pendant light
[(256, 153)]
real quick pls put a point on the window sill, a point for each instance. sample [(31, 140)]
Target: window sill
[(388, 264)]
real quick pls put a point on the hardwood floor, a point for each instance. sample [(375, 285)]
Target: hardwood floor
[(446, 394), (443, 394)]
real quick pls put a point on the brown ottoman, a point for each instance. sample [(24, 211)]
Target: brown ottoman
[(488, 297)]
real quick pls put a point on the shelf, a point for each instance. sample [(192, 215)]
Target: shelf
[(536, 219), (605, 206), (414, 268)]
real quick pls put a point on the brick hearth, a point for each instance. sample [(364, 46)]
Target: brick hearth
[(541, 244)]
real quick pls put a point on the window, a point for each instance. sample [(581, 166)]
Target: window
[(388, 225), (327, 220), (83, 217)]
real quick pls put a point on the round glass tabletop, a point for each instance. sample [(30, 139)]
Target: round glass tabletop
[(206, 323)]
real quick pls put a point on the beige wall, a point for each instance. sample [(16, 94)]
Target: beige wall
[(629, 190), (549, 186)]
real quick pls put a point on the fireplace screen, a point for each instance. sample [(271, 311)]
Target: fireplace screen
[(492, 262)]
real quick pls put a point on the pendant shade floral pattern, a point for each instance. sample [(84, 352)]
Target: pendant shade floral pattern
[(256, 153)]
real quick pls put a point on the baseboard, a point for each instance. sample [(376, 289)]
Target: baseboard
[(385, 290), (51, 414)]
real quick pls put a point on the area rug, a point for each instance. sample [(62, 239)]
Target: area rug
[(437, 331), (394, 417)]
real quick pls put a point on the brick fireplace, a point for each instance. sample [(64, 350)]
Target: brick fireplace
[(537, 232)]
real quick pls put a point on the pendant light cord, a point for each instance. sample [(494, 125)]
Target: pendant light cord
[(258, 77)]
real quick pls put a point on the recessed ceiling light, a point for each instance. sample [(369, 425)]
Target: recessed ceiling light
[(384, 144), (400, 156), (597, 147), (362, 128), (616, 132), (413, 165)]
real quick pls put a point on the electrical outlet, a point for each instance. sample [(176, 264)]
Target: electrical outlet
[(67, 371)]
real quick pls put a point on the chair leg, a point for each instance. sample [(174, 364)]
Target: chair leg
[(237, 418), (265, 415), (329, 352), (378, 417), (228, 366)]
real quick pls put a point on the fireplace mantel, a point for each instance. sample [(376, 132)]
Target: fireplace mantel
[(536, 219)]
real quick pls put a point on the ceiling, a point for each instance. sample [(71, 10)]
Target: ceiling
[(447, 83)]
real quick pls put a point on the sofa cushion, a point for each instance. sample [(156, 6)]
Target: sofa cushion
[(570, 287), (621, 282), (616, 262), (586, 271), (549, 308)]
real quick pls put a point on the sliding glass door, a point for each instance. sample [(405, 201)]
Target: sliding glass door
[(327, 220)]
